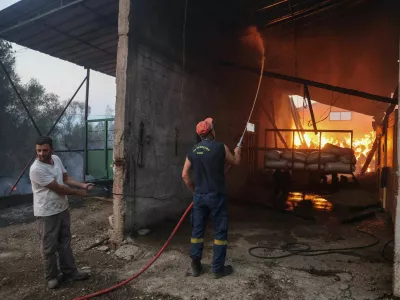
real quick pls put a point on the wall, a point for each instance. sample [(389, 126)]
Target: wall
[(387, 154), (155, 75)]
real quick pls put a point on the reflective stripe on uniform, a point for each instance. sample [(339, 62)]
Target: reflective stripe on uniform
[(196, 240), (221, 242)]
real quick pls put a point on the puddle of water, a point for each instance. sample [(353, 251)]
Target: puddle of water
[(298, 200)]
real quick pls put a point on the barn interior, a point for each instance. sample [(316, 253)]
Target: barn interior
[(178, 62)]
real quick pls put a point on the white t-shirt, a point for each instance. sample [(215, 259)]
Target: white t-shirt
[(45, 201)]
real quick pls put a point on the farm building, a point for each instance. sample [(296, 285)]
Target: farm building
[(177, 62)]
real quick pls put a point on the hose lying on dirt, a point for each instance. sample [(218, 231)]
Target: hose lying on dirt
[(99, 293), (303, 249)]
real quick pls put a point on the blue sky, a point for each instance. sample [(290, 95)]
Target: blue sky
[(63, 78)]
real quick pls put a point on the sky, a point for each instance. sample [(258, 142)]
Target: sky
[(63, 78)]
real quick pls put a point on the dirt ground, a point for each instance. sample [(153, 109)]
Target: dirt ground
[(361, 274)]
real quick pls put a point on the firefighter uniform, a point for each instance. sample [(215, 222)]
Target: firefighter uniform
[(208, 161)]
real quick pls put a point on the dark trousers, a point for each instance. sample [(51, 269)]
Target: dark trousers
[(55, 238), (217, 206)]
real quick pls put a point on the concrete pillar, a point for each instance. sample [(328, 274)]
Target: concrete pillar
[(396, 264), (119, 123)]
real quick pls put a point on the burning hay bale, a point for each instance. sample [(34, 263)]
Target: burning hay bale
[(345, 159), (336, 143), (331, 158)]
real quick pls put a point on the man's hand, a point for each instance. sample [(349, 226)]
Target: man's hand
[(238, 151), (87, 186), (233, 159), (65, 190)]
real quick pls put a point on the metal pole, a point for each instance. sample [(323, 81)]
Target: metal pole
[(293, 138), (65, 108), (22, 174), (20, 98), (265, 138), (319, 151), (85, 155), (106, 146), (50, 131), (351, 152)]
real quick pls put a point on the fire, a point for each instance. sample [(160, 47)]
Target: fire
[(361, 146)]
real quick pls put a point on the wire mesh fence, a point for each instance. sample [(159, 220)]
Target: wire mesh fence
[(17, 145)]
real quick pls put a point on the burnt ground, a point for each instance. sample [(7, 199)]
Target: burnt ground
[(361, 274)]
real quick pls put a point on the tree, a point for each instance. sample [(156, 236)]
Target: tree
[(17, 132)]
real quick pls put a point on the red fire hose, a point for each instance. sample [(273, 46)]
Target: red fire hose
[(108, 290)]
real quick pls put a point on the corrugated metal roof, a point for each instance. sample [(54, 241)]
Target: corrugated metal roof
[(84, 32)]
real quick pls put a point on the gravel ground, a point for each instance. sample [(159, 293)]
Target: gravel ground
[(361, 275)]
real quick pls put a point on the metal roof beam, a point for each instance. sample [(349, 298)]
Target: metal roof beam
[(101, 17), (272, 5), (56, 47), (77, 39), (41, 41), (32, 20), (316, 84), (320, 7)]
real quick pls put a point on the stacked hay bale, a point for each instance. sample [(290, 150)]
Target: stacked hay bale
[(331, 159)]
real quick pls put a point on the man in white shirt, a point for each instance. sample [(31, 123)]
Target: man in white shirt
[(50, 205)]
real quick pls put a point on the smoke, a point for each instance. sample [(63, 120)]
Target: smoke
[(23, 187), (73, 163), (252, 39)]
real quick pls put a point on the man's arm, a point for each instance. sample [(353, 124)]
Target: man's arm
[(233, 159), (68, 180), (65, 190), (185, 175), (46, 179)]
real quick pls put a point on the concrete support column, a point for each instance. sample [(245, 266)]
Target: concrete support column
[(396, 264), (119, 123)]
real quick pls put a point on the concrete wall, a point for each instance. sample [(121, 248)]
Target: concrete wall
[(169, 115)]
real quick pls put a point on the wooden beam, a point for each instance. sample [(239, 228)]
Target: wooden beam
[(119, 123), (369, 157), (383, 122)]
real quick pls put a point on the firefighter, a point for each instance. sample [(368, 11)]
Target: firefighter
[(207, 160)]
